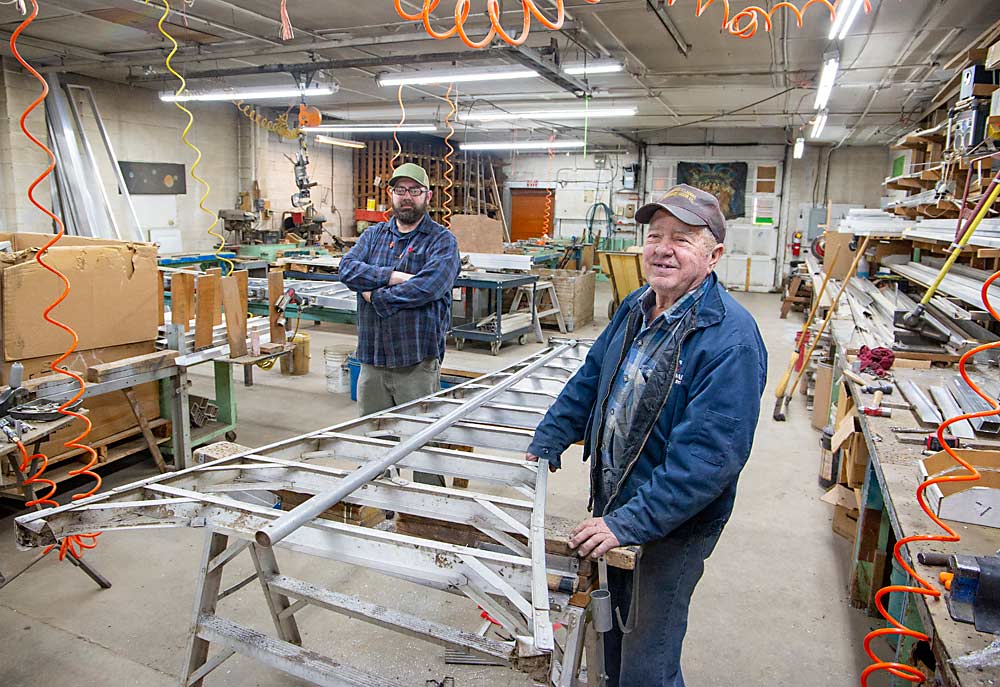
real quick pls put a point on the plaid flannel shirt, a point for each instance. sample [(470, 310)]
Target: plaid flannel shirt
[(406, 323)]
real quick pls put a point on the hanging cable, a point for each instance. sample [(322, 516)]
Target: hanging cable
[(287, 32), (73, 544), (229, 266), (922, 586)]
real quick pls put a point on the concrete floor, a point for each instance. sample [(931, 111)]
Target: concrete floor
[(771, 610)]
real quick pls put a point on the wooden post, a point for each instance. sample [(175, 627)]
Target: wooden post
[(217, 313), (275, 288), (204, 317), (236, 321), (181, 298)]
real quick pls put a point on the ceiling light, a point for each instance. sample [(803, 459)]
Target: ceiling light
[(453, 76), (595, 67), (566, 113), (800, 147), (850, 19), (846, 14), (367, 128), (826, 80), (819, 123), (342, 142), (523, 145), (246, 94)]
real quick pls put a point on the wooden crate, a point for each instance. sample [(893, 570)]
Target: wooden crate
[(575, 291), (349, 513)]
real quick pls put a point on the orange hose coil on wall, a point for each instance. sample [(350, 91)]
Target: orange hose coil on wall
[(74, 544), (449, 166)]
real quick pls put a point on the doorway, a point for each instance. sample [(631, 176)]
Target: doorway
[(527, 213)]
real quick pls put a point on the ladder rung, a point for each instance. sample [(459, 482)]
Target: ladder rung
[(388, 618), (294, 660)]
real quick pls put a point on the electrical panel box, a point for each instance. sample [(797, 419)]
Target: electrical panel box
[(969, 125), (629, 174)]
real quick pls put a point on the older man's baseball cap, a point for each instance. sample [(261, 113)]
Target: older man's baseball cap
[(410, 171), (690, 205)]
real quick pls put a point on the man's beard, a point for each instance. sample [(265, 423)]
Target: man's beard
[(408, 215)]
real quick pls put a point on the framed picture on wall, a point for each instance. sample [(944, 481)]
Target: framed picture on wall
[(727, 181)]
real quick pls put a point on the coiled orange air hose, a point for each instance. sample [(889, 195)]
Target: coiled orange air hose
[(228, 264), (449, 166), (462, 9), (923, 587), (76, 543), (744, 24)]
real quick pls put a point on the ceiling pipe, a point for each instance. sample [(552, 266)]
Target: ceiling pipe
[(658, 8)]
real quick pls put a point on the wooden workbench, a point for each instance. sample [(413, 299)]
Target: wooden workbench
[(889, 511)]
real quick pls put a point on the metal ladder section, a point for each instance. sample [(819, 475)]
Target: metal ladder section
[(358, 462)]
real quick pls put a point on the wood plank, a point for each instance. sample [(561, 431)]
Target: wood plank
[(236, 321), (182, 299), (106, 372), (217, 313), (275, 288), (207, 285), (160, 299), (147, 432), (242, 279)]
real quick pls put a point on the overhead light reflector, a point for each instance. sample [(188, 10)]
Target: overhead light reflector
[(342, 142), (846, 14), (366, 128), (826, 80), (566, 113), (800, 147), (453, 76), (523, 145), (246, 94)]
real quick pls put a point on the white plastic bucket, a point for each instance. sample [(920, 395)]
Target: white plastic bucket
[(338, 377)]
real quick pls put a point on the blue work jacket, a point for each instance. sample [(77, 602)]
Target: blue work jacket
[(694, 428)]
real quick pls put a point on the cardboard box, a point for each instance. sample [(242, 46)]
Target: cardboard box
[(976, 503), (845, 510), (838, 244), (855, 458), (113, 299)]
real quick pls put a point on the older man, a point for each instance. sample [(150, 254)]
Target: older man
[(403, 271), (666, 403)]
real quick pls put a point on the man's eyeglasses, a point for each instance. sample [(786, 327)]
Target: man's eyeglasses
[(414, 192)]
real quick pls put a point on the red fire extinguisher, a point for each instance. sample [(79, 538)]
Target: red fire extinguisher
[(796, 244)]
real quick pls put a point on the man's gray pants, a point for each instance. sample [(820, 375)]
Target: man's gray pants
[(380, 388)]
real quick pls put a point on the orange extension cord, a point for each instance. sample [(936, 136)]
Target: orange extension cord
[(923, 587), (449, 169), (74, 544)]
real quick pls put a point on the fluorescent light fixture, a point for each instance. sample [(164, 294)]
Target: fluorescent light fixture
[(366, 128), (819, 123), (595, 67), (342, 142), (800, 147), (826, 80), (453, 76), (846, 14), (566, 113), (246, 94), (523, 145), (850, 19)]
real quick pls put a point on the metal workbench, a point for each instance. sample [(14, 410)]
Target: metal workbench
[(495, 283)]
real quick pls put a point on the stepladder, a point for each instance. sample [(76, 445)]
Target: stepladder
[(539, 292)]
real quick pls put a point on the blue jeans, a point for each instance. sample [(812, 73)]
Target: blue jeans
[(668, 571)]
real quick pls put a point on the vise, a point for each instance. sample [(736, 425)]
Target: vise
[(975, 591)]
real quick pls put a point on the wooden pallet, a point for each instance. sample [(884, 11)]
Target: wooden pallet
[(110, 449)]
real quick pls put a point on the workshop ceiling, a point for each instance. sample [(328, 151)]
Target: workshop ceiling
[(890, 63)]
